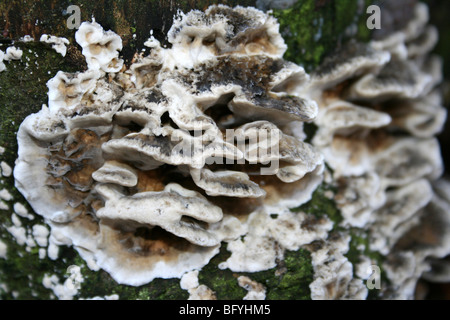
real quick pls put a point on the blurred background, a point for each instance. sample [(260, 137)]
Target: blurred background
[(439, 16)]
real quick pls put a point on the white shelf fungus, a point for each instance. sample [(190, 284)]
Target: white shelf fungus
[(136, 169), (146, 169), (379, 111)]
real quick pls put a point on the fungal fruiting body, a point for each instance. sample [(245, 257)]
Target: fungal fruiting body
[(146, 170), (12, 53), (136, 167), (380, 109)]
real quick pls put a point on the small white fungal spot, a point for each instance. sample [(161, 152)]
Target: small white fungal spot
[(189, 280), (53, 251), (15, 220), (6, 169), (3, 250), (40, 234), (5, 195), (3, 205), (26, 38), (42, 253), (19, 233), (21, 210), (13, 53)]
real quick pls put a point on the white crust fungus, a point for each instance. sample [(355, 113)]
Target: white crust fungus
[(2, 58), (189, 282), (268, 235)]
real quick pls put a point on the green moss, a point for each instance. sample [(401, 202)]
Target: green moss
[(312, 28), (346, 10), (289, 280), (22, 272), (320, 205), (99, 283), (299, 25), (359, 246), (360, 239), (23, 90), (222, 282), (310, 130)]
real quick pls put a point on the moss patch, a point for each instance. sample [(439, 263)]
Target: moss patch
[(312, 29), (320, 205), (23, 88), (289, 280), (100, 283)]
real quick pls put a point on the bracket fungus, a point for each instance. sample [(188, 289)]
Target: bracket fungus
[(380, 109), (147, 169), (134, 166)]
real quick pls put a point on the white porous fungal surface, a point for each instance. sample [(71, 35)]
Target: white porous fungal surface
[(148, 169), (6, 169)]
